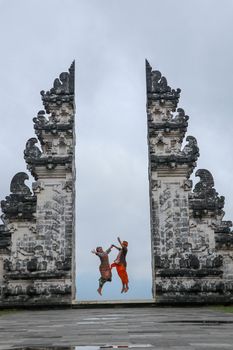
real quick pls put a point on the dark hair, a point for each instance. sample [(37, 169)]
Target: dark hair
[(98, 248)]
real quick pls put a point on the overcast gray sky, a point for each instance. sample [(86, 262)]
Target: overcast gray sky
[(189, 41)]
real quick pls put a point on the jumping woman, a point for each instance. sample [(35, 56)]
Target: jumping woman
[(120, 264), (105, 269)]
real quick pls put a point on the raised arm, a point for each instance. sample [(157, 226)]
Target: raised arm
[(119, 240), (114, 246), (109, 249)]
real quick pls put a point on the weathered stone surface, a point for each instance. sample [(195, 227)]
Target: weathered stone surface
[(38, 230), (5, 237), (192, 248)]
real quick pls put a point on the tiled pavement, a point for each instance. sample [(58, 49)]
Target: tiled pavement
[(139, 328)]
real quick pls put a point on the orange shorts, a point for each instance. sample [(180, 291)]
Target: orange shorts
[(121, 270)]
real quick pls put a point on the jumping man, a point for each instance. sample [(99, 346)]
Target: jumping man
[(120, 264), (105, 269)]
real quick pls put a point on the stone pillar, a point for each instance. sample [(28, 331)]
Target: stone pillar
[(186, 265), (40, 267), (169, 170)]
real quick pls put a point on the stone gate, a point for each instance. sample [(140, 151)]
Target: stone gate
[(192, 247)]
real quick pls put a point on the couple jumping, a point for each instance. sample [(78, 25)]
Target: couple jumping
[(120, 264)]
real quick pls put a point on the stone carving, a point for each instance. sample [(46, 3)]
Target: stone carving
[(68, 186), (12, 227), (168, 153), (61, 92), (187, 185), (191, 150), (40, 120), (159, 83), (65, 83), (206, 184), (32, 155), (204, 195), (38, 186), (31, 151), (155, 184), (5, 237), (157, 87), (224, 240), (18, 186), (181, 117), (157, 143), (167, 122), (20, 203), (224, 235)]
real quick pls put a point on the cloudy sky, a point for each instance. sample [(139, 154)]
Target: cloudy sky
[(190, 42)]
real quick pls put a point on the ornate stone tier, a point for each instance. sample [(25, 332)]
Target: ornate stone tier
[(187, 262), (54, 128), (20, 204), (224, 227), (189, 273), (50, 162), (169, 122), (34, 275), (173, 160), (158, 89), (55, 131), (20, 296), (224, 236), (167, 127), (35, 158), (202, 290), (204, 197), (181, 160), (62, 91), (42, 130), (224, 241), (5, 237)]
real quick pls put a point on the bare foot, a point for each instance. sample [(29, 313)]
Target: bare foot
[(99, 291), (123, 289), (126, 289)]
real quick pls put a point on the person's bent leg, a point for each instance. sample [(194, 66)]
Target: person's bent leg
[(121, 270), (126, 281), (113, 265), (101, 284)]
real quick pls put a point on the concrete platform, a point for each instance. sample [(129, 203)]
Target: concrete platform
[(135, 328)]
